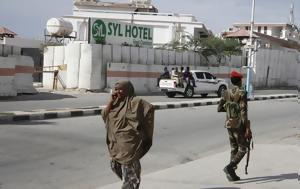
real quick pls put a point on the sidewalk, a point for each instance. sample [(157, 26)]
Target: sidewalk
[(271, 167)]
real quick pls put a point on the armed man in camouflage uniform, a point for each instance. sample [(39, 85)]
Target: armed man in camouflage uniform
[(237, 127)]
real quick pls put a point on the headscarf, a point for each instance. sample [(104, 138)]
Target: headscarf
[(129, 126)]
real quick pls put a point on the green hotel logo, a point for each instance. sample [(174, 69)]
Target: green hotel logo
[(99, 31)]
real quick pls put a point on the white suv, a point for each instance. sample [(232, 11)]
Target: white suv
[(206, 83)]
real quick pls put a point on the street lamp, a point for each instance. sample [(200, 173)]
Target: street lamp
[(250, 54)]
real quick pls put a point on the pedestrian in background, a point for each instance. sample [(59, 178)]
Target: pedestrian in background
[(234, 103), (129, 124)]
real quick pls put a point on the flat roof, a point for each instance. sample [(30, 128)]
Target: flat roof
[(262, 24)]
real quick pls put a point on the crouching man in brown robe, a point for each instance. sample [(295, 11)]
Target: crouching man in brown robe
[(129, 124)]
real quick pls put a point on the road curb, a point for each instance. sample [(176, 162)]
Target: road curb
[(90, 111)]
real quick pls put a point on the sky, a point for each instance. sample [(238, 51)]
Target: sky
[(28, 18)]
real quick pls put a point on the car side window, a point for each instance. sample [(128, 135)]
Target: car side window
[(199, 75), (208, 75)]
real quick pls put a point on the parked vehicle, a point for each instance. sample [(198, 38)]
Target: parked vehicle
[(206, 83)]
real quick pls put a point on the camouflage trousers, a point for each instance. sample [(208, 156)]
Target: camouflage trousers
[(129, 173), (238, 145)]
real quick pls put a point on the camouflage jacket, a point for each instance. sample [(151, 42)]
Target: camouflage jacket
[(241, 98)]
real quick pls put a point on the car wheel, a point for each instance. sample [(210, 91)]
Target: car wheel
[(170, 94), (221, 90), (189, 92), (204, 95)]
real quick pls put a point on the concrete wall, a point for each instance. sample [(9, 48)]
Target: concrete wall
[(90, 67), (48, 67), (144, 77), (72, 60), (87, 65), (16, 75), (276, 68), (7, 75), (24, 68)]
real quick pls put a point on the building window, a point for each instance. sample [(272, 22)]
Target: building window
[(259, 29), (265, 29), (247, 28)]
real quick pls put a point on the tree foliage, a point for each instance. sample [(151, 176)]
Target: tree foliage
[(211, 46), (220, 48)]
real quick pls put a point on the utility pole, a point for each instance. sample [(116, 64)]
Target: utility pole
[(250, 54), (292, 16)]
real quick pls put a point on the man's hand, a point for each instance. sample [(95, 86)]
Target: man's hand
[(248, 133), (112, 99)]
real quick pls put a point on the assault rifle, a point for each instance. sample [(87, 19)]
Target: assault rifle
[(249, 139)]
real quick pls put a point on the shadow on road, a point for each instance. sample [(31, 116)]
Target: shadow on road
[(33, 97), (266, 179)]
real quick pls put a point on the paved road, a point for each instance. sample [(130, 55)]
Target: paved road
[(71, 153), (73, 99)]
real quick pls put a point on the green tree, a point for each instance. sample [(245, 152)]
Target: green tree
[(211, 46), (220, 48)]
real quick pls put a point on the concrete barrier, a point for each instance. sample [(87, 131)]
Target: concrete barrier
[(90, 67), (96, 67), (24, 69), (48, 74), (135, 54), (85, 68), (72, 60), (7, 75), (143, 56), (16, 75)]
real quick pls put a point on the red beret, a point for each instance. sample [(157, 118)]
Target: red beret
[(236, 74)]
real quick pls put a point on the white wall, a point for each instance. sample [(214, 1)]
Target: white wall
[(90, 67), (87, 65), (22, 42), (72, 60), (48, 67), (282, 68)]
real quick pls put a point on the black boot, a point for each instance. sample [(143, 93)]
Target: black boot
[(230, 172)]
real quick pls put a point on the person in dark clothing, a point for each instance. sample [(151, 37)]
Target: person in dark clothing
[(129, 123), (188, 77), (234, 103), (165, 75)]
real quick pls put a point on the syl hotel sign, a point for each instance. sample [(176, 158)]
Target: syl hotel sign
[(112, 32)]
